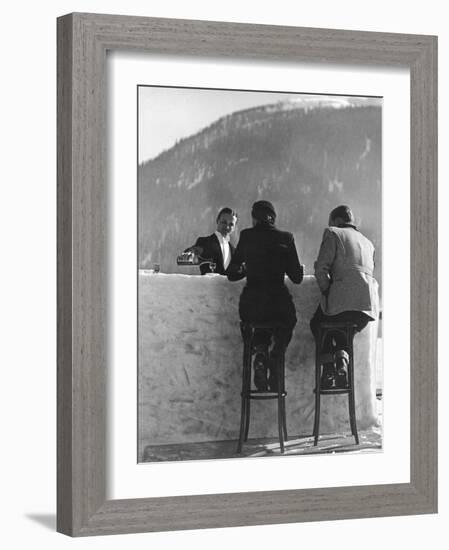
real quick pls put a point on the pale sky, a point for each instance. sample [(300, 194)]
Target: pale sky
[(169, 114)]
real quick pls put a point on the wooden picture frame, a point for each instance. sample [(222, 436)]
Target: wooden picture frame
[(83, 40)]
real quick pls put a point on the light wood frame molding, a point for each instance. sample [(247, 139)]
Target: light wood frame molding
[(83, 40)]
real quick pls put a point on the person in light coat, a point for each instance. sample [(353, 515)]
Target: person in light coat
[(344, 271)]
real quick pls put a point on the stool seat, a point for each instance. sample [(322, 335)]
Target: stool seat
[(338, 324), (262, 325), (348, 329), (248, 329)]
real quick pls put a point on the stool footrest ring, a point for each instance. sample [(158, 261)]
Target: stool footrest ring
[(264, 395), (336, 391)]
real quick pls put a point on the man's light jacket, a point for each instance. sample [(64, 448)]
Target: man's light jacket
[(344, 271)]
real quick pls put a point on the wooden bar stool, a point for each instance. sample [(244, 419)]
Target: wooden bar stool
[(348, 329), (248, 392)]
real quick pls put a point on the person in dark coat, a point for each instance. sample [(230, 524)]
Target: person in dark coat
[(215, 251), (264, 255)]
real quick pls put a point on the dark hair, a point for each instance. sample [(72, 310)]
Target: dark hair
[(263, 212), (343, 212), (227, 210)]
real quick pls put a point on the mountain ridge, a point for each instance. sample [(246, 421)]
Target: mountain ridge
[(305, 160)]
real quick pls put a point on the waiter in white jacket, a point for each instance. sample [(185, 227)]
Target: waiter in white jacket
[(344, 271)]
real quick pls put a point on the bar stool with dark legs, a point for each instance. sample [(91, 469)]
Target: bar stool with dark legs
[(248, 393), (348, 329)]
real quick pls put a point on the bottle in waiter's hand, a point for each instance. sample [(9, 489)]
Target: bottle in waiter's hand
[(188, 257)]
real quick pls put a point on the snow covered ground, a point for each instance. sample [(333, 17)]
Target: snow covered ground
[(190, 359)]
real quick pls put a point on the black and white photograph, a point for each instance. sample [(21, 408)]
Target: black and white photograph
[(221, 306), (259, 276)]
